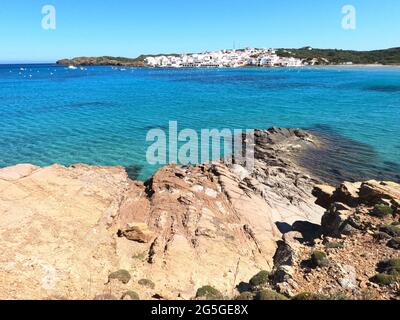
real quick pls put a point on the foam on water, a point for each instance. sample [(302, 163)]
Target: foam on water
[(101, 115)]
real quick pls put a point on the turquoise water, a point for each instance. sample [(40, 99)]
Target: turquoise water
[(49, 114)]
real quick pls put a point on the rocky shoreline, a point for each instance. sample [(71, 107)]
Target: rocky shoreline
[(204, 231)]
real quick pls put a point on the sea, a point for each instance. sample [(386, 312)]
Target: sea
[(101, 115)]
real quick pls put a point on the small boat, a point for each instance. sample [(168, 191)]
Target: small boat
[(72, 67)]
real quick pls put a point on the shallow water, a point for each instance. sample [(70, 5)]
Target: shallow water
[(49, 114)]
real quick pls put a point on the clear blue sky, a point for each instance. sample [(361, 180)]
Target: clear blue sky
[(131, 27)]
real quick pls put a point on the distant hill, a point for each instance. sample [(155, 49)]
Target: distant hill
[(320, 56), (104, 61), (335, 56)]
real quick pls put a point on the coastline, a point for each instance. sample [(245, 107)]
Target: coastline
[(184, 228)]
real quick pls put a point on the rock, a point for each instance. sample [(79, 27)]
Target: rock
[(283, 274), (309, 231), (372, 192), (382, 236), (335, 221), (324, 195), (284, 255), (347, 229), (17, 172), (60, 223), (292, 238), (211, 193), (347, 277), (240, 171), (106, 296), (394, 243), (138, 232), (393, 231), (347, 193)]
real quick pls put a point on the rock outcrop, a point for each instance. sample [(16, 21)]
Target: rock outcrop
[(85, 232), (359, 233), (64, 230)]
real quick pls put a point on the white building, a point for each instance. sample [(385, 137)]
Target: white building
[(224, 58)]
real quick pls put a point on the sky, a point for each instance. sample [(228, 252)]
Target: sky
[(131, 27)]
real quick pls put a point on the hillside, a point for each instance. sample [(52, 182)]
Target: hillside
[(320, 57), (335, 56), (103, 61)]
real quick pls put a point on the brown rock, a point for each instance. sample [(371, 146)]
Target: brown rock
[(138, 232), (373, 191), (324, 194), (347, 193)]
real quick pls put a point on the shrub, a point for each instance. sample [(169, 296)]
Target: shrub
[(394, 243), (139, 256), (393, 231), (382, 210), (318, 258), (260, 278), (121, 275), (270, 295), (130, 295), (147, 283), (392, 266), (310, 296), (244, 296), (384, 279), (340, 296), (368, 295), (105, 297), (335, 245), (209, 293)]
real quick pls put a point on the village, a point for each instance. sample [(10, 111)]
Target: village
[(225, 59)]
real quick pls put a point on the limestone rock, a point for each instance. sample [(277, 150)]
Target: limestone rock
[(324, 195), (184, 228), (137, 232), (347, 193), (373, 191), (335, 220), (347, 277)]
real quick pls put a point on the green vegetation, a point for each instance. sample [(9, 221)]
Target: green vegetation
[(209, 293), (384, 279), (335, 56), (393, 231), (319, 296), (339, 296), (139, 256), (391, 266), (147, 283), (260, 278), (389, 272), (121, 275), (310, 296), (106, 296), (269, 295), (130, 295), (318, 259), (245, 296), (335, 245), (382, 210)]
